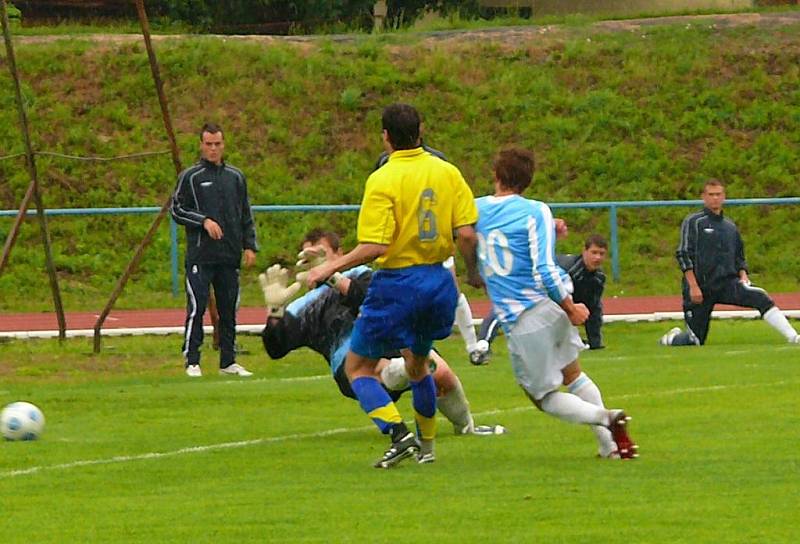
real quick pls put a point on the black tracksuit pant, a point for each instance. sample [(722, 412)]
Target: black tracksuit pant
[(225, 279), (730, 291)]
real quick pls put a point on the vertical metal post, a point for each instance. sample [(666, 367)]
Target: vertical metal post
[(612, 218), (173, 253), (148, 237), (30, 163)]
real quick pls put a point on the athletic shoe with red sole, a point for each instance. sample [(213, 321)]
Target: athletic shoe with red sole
[(626, 448)]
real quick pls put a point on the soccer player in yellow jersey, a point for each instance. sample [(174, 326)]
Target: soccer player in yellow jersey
[(411, 210)]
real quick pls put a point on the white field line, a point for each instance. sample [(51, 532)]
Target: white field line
[(342, 430)]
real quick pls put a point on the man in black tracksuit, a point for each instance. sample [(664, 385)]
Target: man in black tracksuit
[(588, 281), (211, 201), (711, 256)]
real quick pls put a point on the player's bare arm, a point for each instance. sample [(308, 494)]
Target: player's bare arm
[(467, 242), (577, 313), (361, 254)]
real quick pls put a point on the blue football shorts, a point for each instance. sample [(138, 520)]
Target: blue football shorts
[(405, 308)]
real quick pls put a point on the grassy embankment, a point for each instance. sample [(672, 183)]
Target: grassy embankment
[(612, 116)]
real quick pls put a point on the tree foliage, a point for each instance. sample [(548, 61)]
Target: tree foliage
[(305, 16)]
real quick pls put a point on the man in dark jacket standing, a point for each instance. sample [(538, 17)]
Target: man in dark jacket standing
[(211, 201), (711, 256)]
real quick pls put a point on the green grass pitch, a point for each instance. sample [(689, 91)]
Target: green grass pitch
[(134, 451)]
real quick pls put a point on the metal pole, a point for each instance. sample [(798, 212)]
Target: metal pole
[(612, 217), (12, 236), (148, 237), (30, 163)]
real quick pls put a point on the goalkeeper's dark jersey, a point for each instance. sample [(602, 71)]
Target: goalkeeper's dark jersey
[(322, 320)]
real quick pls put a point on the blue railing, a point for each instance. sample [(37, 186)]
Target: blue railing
[(612, 207)]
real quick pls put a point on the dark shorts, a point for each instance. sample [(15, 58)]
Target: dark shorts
[(405, 308)]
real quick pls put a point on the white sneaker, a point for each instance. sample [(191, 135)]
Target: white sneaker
[(193, 371), (795, 340), (236, 370), (667, 339)]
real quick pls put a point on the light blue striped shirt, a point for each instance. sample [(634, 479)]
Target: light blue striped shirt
[(516, 252)]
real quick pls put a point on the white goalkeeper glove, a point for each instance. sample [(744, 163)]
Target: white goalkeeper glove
[(277, 291), (308, 259)]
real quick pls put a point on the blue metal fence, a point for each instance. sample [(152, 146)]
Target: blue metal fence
[(612, 207)]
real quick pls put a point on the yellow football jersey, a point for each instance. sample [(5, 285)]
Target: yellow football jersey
[(412, 204)]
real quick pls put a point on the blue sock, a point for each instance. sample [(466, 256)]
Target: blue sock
[(376, 402), (424, 402)]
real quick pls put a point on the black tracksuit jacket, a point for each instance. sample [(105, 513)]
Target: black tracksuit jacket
[(588, 289), (711, 246), (218, 192)]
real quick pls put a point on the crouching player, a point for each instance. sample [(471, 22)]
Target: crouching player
[(322, 320)]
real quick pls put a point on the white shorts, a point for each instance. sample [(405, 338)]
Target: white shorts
[(541, 343)]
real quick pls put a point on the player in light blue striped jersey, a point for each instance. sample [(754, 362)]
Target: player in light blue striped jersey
[(532, 297)]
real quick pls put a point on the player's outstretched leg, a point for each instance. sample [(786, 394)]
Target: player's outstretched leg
[(569, 407), (453, 404), (775, 318), (584, 388)]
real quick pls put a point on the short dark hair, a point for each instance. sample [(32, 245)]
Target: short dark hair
[(401, 122), (514, 168), (211, 128), (315, 235), (595, 240), (714, 182)]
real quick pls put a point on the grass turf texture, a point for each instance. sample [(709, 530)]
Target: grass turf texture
[(717, 429), (612, 116)]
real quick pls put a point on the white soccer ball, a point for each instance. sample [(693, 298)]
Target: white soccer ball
[(21, 421)]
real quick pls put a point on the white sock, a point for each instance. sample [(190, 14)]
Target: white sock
[(778, 321), (464, 322), (584, 388), (455, 407), (569, 407)]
